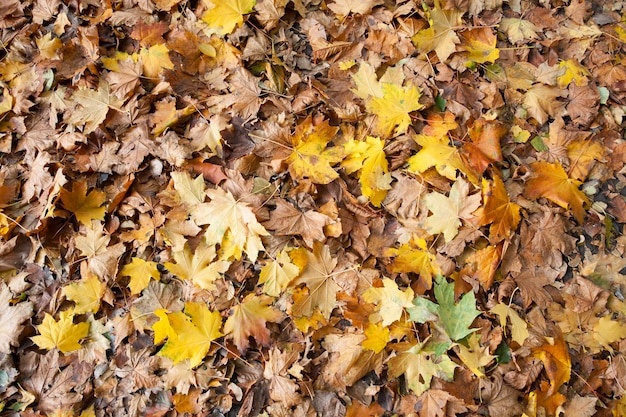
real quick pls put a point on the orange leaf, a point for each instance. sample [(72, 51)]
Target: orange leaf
[(483, 264), (484, 149), (498, 210), (556, 361), (551, 181)]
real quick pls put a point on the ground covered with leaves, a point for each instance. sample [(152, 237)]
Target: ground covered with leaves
[(312, 208)]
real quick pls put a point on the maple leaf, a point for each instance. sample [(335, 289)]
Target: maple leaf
[(200, 266), (390, 301), (62, 334), (541, 101), (498, 210), (455, 318), (277, 274), (232, 224), (484, 149), (414, 257), (377, 337), (440, 36), (85, 206), (154, 59), (189, 333), (552, 182), (582, 154), (518, 30), (608, 330), (436, 152), (480, 45), (556, 361), (475, 356), (519, 327), (370, 159), (482, 265), (420, 364), (93, 243), (572, 72), (227, 14), (346, 7), (447, 212), (86, 294), (311, 157), (348, 362), (288, 220), (140, 273), (318, 277), (11, 319), (91, 107), (387, 99), (249, 319)]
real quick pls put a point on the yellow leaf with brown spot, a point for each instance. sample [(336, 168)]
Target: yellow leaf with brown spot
[(312, 158)]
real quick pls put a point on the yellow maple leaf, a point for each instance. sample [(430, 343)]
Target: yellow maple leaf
[(390, 301), (519, 327), (420, 364), (249, 319), (541, 101), (608, 330), (393, 108), (414, 257), (232, 225), (572, 71), (436, 152), (189, 333), (387, 99), (225, 15), (377, 337), (154, 59), (199, 267), (86, 294), (311, 157), (475, 356), (440, 36), (62, 334), (370, 159), (140, 273), (190, 190), (277, 274), (85, 206), (480, 45)]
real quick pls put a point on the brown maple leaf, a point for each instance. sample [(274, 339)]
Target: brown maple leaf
[(288, 220)]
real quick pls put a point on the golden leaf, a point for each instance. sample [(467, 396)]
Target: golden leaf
[(62, 334)]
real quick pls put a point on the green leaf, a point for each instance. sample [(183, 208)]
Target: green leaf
[(456, 318)]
